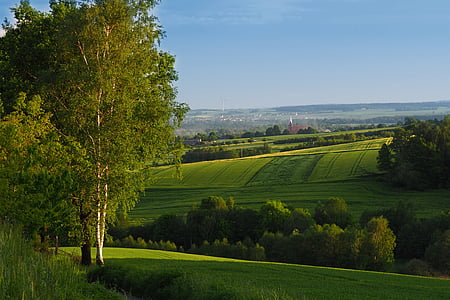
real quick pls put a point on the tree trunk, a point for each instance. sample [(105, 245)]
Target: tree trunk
[(44, 239), (86, 258), (56, 244), (101, 226), (101, 214)]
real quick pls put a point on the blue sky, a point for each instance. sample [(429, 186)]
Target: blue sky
[(266, 53)]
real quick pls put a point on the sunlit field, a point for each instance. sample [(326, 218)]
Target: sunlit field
[(299, 178)]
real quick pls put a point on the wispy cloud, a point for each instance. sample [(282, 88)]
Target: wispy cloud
[(237, 12)]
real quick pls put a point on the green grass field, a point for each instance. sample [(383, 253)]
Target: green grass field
[(299, 178), (283, 280)]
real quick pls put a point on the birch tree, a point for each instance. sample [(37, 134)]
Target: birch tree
[(113, 93)]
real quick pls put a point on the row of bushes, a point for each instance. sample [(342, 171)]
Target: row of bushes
[(131, 242), (215, 153), (346, 137), (241, 250)]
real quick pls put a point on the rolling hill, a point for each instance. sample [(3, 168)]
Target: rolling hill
[(299, 178), (267, 280)]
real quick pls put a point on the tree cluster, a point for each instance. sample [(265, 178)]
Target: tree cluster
[(419, 155), (87, 102), (276, 232), (422, 241)]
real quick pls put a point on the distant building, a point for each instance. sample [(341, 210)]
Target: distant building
[(192, 142), (294, 129)]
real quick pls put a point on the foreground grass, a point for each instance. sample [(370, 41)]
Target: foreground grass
[(281, 281), (25, 274)]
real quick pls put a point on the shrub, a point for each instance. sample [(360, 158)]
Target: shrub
[(418, 267), (438, 254)]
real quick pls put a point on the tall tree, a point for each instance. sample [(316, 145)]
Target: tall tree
[(378, 245), (113, 93), (99, 70)]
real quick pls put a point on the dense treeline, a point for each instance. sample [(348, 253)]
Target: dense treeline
[(419, 155), (277, 232), (319, 141), (214, 153), (335, 138)]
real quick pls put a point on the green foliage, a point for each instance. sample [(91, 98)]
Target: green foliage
[(418, 267), (213, 202), (378, 245), (223, 248), (438, 254), (140, 243), (398, 216), (216, 153), (384, 159), (419, 155), (300, 220), (98, 68), (333, 211), (35, 177), (275, 130), (329, 245), (274, 216)]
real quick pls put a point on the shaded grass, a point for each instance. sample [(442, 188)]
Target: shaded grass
[(25, 274), (282, 281)]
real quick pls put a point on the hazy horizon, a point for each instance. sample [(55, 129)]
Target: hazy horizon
[(264, 53)]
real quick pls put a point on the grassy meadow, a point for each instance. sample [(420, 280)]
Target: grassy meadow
[(299, 178), (281, 281)]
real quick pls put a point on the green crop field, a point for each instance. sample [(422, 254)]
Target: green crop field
[(283, 280), (218, 173), (299, 178)]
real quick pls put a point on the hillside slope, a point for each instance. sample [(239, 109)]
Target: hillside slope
[(299, 178), (295, 281)]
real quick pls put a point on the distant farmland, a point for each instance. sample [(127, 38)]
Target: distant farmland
[(358, 158), (299, 178)]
